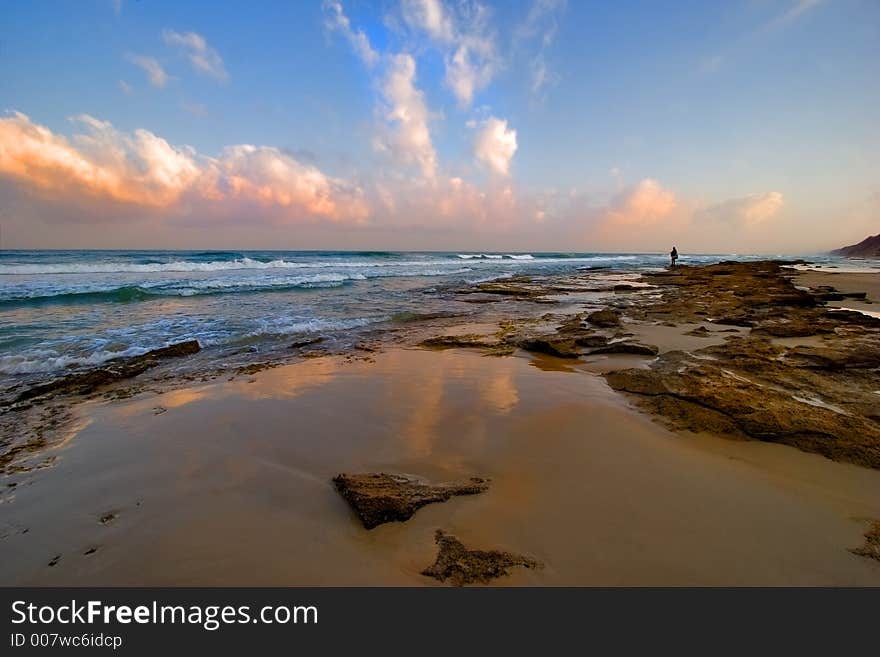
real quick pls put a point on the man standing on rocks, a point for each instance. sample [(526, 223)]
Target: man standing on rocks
[(673, 256)]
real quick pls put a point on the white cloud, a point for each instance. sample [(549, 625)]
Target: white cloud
[(748, 211), (337, 20), (125, 88), (407, 111), (797, 9), (541, 25), (645, 203), (155, 73), (431, 16), (495, 145), (204, 58), (466, 39)]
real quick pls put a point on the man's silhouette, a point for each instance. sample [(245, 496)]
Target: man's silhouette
[(673, 256)]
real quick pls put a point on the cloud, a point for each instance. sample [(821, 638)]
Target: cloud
[(747, 211), (495, 145), (204, 58), (125, 88), (155, 73), (269, 177), (431, 16), (797, 9), (142, 169), (541, 25), (645, 203), (336, 20), (466, 39), (408, 113)]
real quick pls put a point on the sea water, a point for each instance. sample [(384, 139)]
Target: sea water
[(72, 309)]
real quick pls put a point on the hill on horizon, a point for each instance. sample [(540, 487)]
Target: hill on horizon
[(867, 248)]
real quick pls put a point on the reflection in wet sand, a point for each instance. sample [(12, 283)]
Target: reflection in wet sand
[(232, 485)]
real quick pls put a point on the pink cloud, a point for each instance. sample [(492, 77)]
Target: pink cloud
[(143, 169)]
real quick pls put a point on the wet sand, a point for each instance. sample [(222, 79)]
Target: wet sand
[(230, 484), (846, 282)]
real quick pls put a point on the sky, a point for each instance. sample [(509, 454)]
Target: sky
[(533, 125)]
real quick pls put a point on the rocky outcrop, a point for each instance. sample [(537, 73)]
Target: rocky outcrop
[(819, 399), (559, 347), (470, 340), (83, 383), (378, 498), (461, 566), (871, 547), (605, 318), (867, 248)]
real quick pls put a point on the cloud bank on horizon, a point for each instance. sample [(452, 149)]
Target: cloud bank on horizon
[(439, 159)]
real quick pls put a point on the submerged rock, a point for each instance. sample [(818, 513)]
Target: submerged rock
[(378, 498), (462, 566), (83, 383), (306, 342)]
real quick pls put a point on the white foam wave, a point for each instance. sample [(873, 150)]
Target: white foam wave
[(40, 360)]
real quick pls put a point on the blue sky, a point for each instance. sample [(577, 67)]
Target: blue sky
[(748, 124)]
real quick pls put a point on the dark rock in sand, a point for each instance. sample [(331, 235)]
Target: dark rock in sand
[(456, 341), (819, 399), (462, 566), (700, 332), (379, 498), (605, 318), (591, 340), (626, 348), (871, 547), (84, 383), (561, 348)]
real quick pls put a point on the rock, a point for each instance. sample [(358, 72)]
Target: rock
[(378, 498), (591, 341), (735, 320), (853, 355), (791, 328), (626, 348), (871, 547), (818, 399), (463, 566), (83, 383), (605, 318), (561, 348), (305, 342), (456, 341), (700, 332)]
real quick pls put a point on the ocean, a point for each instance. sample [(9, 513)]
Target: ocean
[(73, 309)]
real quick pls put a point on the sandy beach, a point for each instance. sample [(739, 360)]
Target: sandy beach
[(231, 485), (226, 479), (847, 282)]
